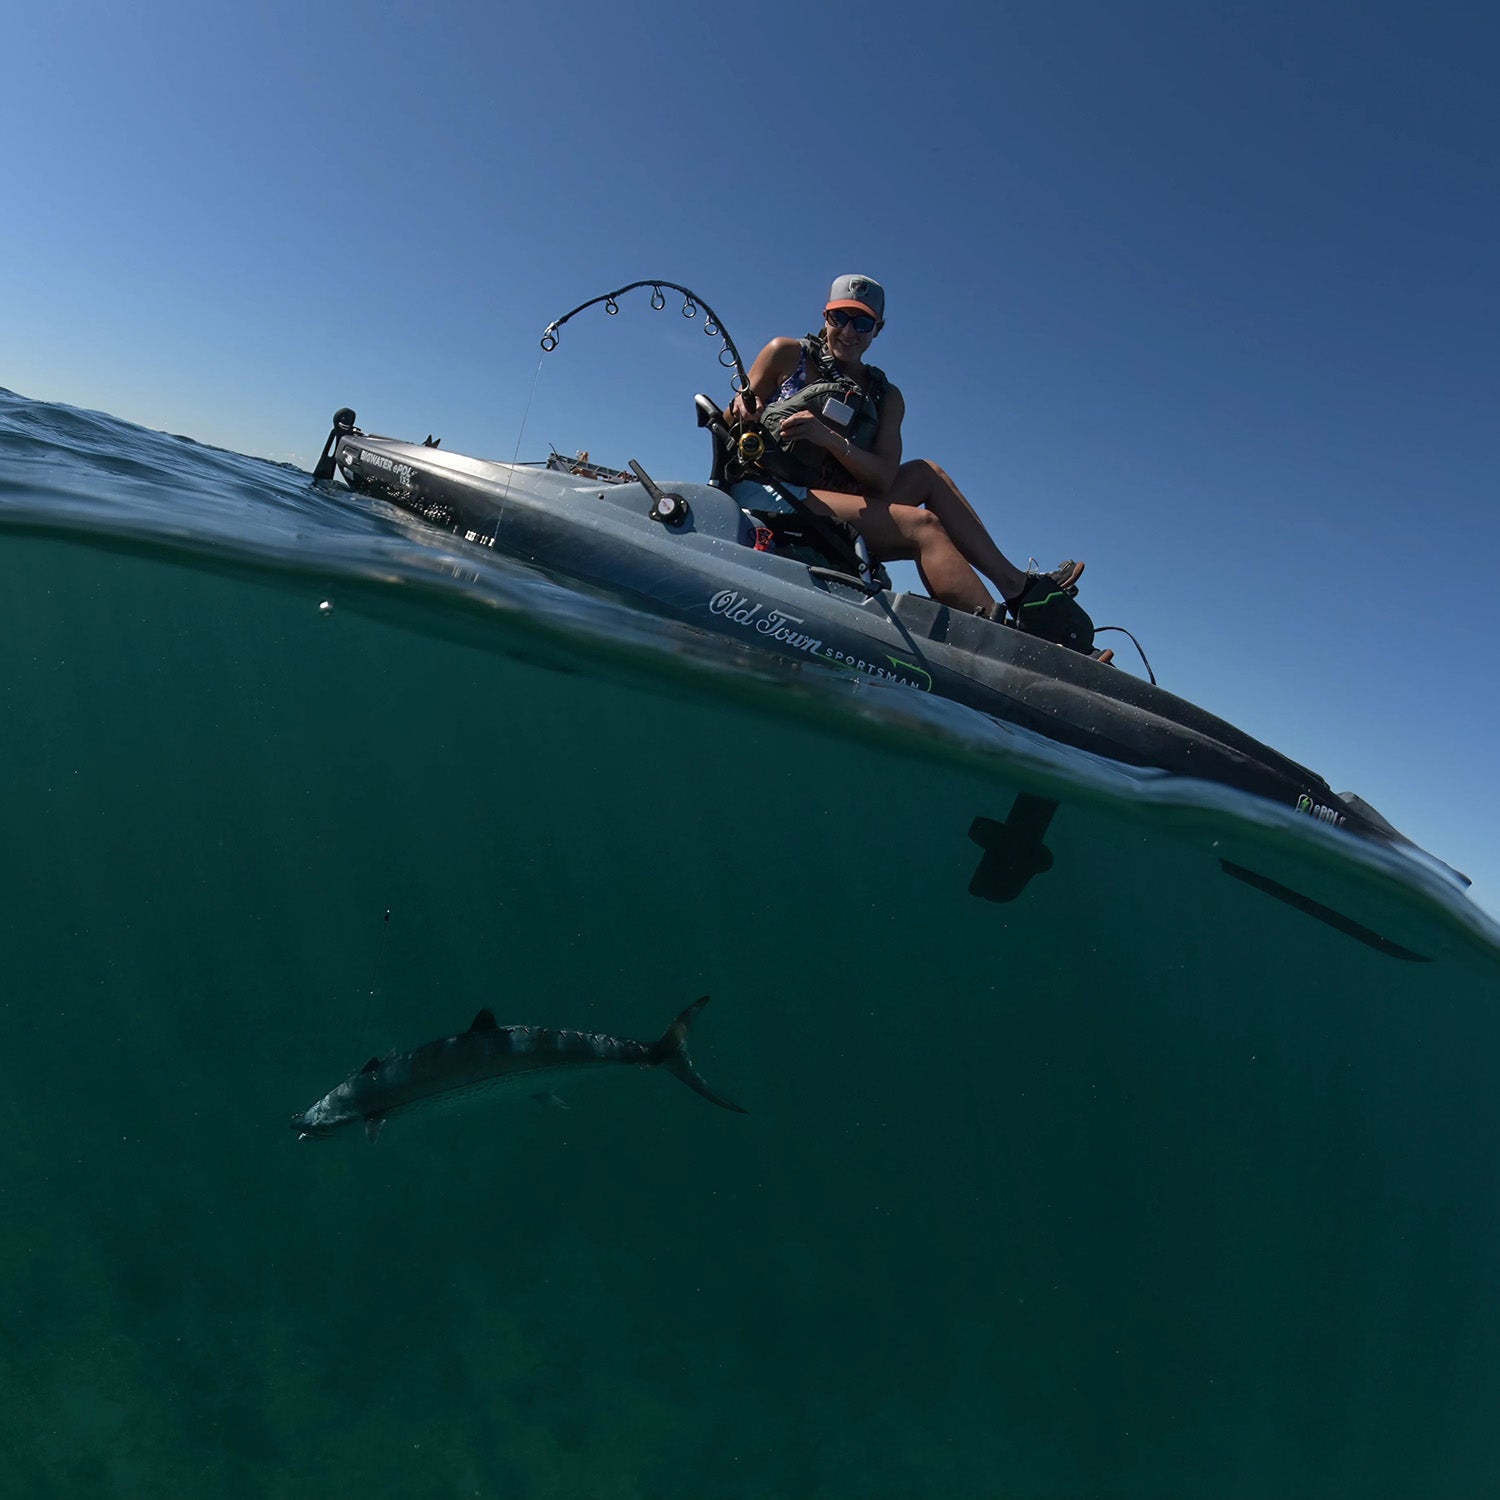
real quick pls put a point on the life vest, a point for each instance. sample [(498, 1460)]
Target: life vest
[(801, 462)]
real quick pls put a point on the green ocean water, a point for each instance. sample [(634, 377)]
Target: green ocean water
[(1145, 1184)]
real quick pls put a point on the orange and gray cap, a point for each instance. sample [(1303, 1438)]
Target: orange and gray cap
[(858, 292)]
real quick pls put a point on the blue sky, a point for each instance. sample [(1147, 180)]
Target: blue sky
[(1203, 293)]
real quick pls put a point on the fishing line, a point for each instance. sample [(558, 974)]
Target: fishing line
[(504, 494)]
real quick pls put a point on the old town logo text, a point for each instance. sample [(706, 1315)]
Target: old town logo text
[(776, 625)]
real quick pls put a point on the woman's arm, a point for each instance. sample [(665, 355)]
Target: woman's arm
[(874, 470), (775, 363)]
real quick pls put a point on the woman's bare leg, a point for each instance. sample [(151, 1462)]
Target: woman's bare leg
[(914, 533), (923, 483)]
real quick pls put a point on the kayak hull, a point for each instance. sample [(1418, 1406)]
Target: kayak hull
[(705, 571)]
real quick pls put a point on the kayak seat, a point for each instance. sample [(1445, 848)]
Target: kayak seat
[(710, 417), (794, 532), (789, 528)]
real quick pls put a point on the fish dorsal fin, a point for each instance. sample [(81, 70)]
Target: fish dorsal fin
[(372, 1127), (485, 1021), (373, 1066)]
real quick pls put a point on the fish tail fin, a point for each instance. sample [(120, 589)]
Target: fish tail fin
[(671, 1053)]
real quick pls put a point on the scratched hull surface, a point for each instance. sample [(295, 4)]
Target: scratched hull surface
[(1142, 1177)]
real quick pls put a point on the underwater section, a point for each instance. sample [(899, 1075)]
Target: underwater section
[(1079, 1158), (1109, 1134)]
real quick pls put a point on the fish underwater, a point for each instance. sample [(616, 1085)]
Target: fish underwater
[(487, 1056)]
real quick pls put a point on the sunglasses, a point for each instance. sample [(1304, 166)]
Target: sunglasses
[(863, 322)]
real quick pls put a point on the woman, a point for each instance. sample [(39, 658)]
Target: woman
[(834, 424)]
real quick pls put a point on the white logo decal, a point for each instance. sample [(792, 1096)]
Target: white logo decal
[(740, 609), (1305, 804), (775, 623), (400, 472)]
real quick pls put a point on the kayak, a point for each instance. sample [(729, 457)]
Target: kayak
[(739, 558)]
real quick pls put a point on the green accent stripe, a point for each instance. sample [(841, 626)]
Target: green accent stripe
[(1055, 594)]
